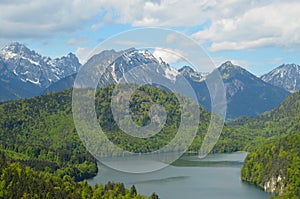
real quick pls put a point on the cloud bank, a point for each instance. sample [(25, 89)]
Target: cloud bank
[(233, 24)]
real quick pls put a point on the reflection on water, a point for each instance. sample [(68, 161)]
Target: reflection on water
[(141, 163), (214, 177), (161, 180), (213, 160)]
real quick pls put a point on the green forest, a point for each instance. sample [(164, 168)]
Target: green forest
[(276, 167), (19, 181), (274, 163), (39, 135), (281, 121)]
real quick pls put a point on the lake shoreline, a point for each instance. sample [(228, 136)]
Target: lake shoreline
[(220, 172)]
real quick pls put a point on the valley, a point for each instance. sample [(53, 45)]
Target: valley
[(48, 119), (149, 99), (39, 142)]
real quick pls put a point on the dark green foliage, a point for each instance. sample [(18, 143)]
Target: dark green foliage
[(140, 104), (249, 133), (274, 139), (40, 133), (42, 128), (154, 196), (133, 191), (17, 182), (276, 166)]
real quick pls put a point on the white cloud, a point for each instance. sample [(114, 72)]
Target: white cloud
[(235, 24), (170, 56), (34, 19), (159, 13), (273, 24), (76, 41), (173, 13), (129, 44), (83, 54)]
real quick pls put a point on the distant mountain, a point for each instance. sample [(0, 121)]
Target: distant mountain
[(61, 84), (12, 87), (248, 95), (257, 131), (191, 74), (284, 119), (25, 73), (124, 61), (119, 65), (286, 76)]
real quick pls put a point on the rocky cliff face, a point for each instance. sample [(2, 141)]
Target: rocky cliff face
[(275, 167), (275, 185)]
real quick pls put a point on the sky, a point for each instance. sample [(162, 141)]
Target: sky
[(258, 35)]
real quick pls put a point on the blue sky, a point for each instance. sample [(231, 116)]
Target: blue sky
[(256, 34)]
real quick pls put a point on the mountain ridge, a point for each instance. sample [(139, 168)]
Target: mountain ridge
[(286, 76), (26, 73), (247, 93), (244, 90)]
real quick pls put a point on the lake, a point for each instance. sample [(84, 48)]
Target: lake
[(215, 177)]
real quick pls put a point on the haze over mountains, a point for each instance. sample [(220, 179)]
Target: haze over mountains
[(25, 73)]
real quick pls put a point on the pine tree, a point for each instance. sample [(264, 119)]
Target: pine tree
[(133, 191)]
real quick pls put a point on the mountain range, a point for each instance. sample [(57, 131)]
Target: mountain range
[(25, 73), (247, 95)]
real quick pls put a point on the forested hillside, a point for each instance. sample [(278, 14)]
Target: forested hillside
[(281, 121), (18, 181), (276, 167), (40, 133), (274, 164)]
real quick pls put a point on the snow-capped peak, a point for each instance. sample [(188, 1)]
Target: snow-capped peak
[(189, 72), (286, 76), (148, 55), (32, 67)]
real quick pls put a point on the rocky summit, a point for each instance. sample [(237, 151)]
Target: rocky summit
[(286, 76)]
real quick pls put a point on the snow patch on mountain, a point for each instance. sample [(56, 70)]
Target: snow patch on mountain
[(171, 73), (8, 54), (286, 76), (30, 66)]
